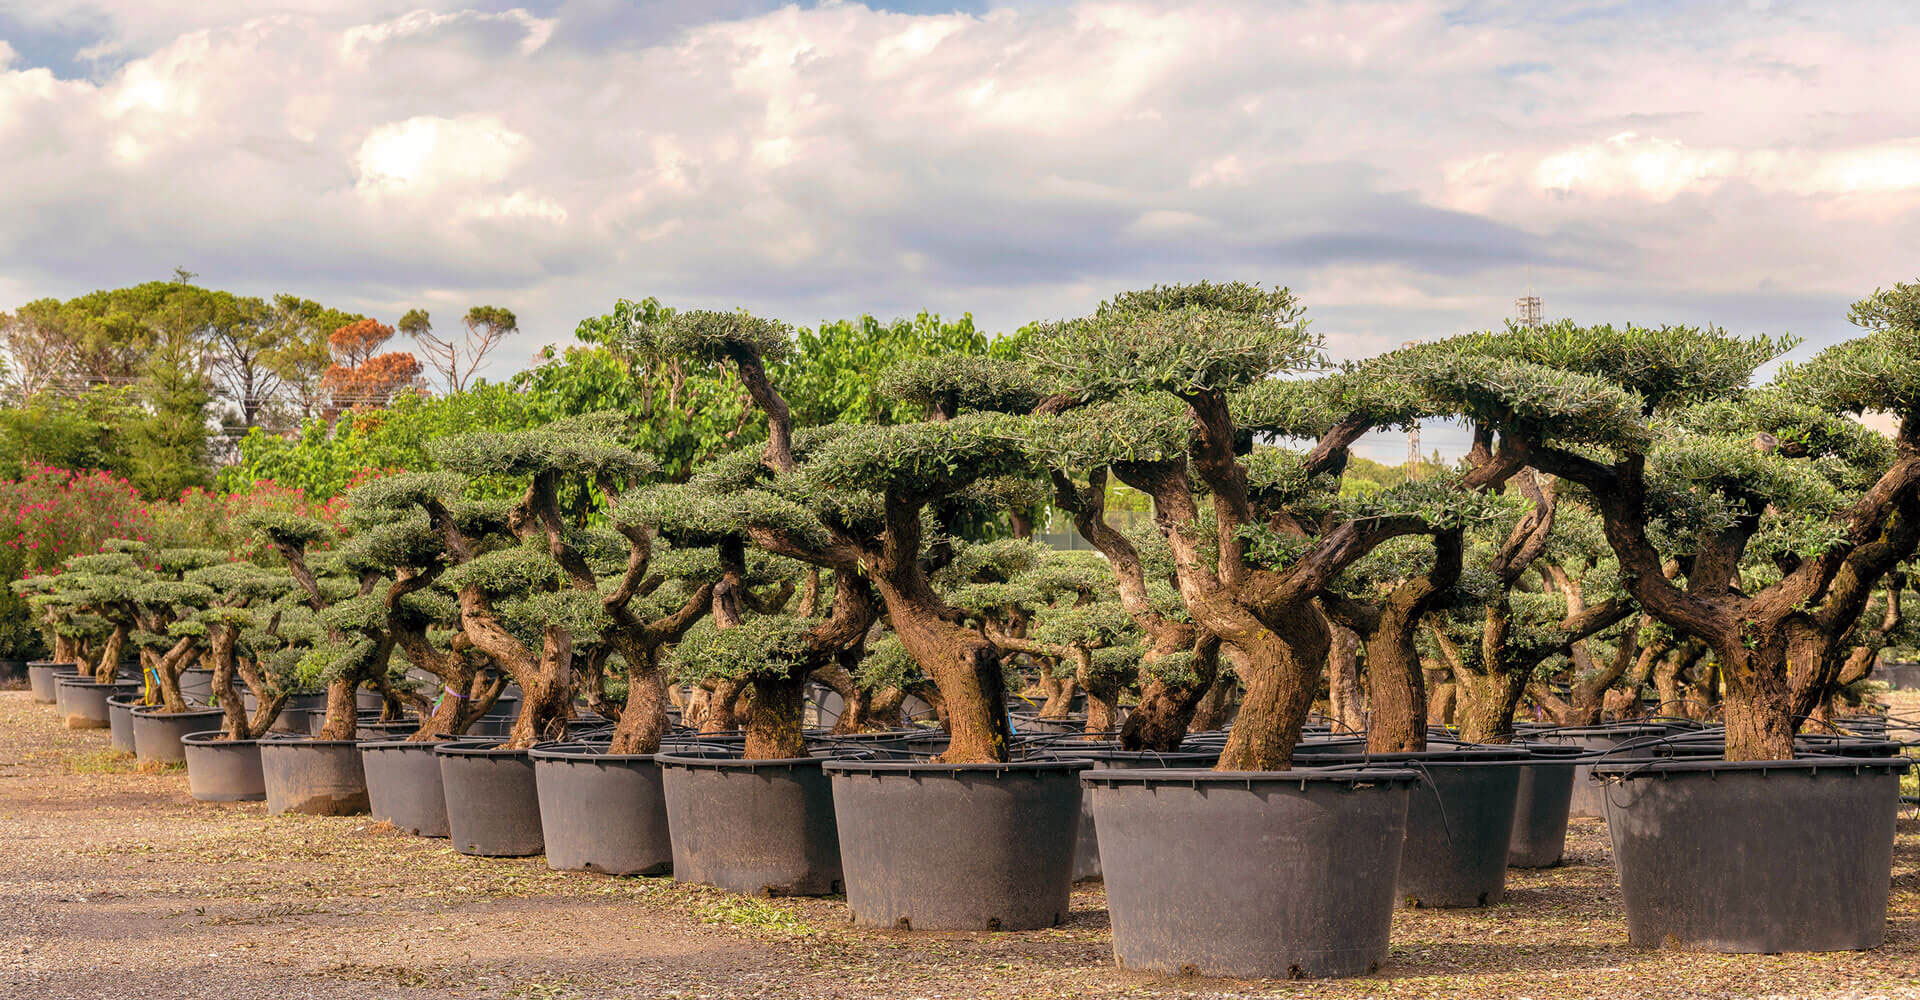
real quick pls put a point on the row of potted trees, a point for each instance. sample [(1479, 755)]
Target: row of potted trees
[(1628, 498)]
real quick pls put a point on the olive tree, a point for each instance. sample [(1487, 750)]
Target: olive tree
[(1169, 388), (1683, 462)]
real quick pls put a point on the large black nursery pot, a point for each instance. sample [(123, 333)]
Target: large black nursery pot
[(295, 712), (1459, 820), (1542, 804), (1754, 856), (957, 846), (493, 805), (1259, 874), (40, 675), (602, 812), (1086, 842), (403, 785), (316, 777), (196, 685), (763, 827), (120, 721), (82, 701), (1618, 741), (222, 770), (157, 733)]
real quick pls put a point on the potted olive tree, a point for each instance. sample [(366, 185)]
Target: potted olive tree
[(1170, 386), (1784, 518)]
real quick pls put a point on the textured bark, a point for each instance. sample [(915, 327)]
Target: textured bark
[(107, 666), (1760, 723), (1442, 699), (1486, 705), (964, 664), (1281, 676), (774, 726), (1059, 692), (1217, 706), (722, 705), (643, 719), (1169, 710), (1344, 699), (1396, 683)]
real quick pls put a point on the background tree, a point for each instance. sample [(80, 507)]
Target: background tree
[(457, 359), (361, 374)]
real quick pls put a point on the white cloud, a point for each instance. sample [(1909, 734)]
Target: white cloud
[(1401, 163), (426, 153)]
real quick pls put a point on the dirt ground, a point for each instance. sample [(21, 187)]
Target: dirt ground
[(113, 883)]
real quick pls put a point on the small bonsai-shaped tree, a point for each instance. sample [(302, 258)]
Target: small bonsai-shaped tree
[(1170, 386), (1062, 610), (335, 585), (70, 633), (94, 596), (235, 629), (527, 593), (1524, 601), (767, 503), (1831, 510)]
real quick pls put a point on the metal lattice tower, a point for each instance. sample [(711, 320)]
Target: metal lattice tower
[(1529, 311)]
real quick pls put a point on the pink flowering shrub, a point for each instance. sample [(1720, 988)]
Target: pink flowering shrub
[(57, 513)]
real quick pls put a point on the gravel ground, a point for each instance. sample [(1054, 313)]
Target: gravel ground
[(115, 884)]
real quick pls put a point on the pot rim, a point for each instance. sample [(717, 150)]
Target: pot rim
[(1456, 755), (476, 748), (582, 750), (160, 712), (1633, 729), (916, 768), (385, 744), (1196, 776), (291, 739), (1669, 766), (214, 737), (720, 763), (82, 680)]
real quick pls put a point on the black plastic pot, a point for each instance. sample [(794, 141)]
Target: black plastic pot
[(120, 721), (1202, 880), (1754, 856), (1586, 801), (294, 713), (157, 733), (366, 727), (493, 807), (1540, 808), (196, 685), (602, 812), (1459, 821), (316, 777), (763, 827), (403, 786), (957, 846), (40, 676), (1864, 725), (82, 702), (1031, 722), (220, 770), (1086, 843)]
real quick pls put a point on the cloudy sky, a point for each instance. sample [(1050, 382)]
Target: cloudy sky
[(1407, 166)]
